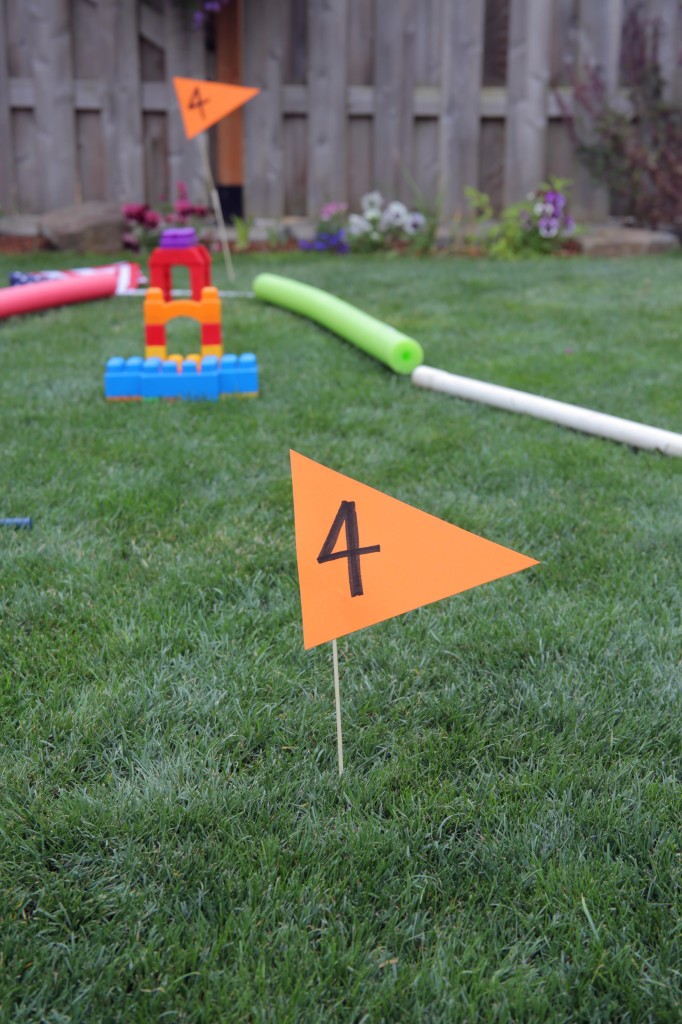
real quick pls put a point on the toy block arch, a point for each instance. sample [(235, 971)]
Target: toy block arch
[(196, 258), (206, 312)]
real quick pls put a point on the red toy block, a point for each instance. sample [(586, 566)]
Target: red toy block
[(210, 334), (195, 257), (155, 335)]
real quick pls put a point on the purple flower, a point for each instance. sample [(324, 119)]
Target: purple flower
[(548, 227), (557, 201)]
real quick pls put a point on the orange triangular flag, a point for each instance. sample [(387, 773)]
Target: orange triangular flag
[(203, 103), (364, 556)]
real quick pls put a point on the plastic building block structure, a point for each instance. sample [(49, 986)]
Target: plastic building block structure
[(209, 375), (158, 312), (179, 247), (205, 378)]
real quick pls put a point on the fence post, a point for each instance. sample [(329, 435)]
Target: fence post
[(528, 63), (393, 96), (121, 101), (598, 46), (263, 142), (460, 103), (55, 116), (184, 57), (327, 106), (669, 15), (7, 197)]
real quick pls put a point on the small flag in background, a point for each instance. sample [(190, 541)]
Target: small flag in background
[(203, 103)]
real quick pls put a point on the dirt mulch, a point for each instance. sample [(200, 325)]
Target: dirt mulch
[(20, 243)]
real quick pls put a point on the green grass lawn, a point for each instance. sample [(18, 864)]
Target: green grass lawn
[(175, 842)]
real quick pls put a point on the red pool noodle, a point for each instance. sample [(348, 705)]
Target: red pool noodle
[(28, 298)]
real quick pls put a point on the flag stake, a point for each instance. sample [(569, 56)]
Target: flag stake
[(217, 208), (337, 694)]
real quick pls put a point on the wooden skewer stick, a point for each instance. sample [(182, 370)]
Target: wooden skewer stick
[(337, 694), (217, 208)]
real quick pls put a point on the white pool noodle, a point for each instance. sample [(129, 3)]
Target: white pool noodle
[(637, 435)]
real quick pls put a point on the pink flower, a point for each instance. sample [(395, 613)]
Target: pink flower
[(152, 219), (182, 190), (135, 211), (183, 207), (332, 209)]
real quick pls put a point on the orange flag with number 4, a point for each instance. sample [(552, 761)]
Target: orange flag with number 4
[(203, 103), (364, 557)]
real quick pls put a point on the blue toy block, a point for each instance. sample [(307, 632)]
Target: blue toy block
[(247, 374), (122, 378), (190, 385), (170, 384), (150, 378), (210, 378), (228, 375), (155, 378)]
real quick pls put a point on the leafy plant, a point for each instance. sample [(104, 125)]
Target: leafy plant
[(634, 148), (242, 227), (538, 225)]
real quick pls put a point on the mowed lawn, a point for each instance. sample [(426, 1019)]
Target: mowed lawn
[(506, 844)]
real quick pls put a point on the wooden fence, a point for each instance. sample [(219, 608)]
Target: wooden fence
[(413, 97), (423, 97), (85, 96)]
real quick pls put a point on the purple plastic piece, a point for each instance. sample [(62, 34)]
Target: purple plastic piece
[(178, 238)]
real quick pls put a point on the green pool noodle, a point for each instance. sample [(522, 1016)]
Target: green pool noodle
[(396, 350)]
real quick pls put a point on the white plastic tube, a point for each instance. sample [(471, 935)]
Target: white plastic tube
[(637, 435)]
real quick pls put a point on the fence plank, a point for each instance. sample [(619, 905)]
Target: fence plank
[(669, 16), (360, 37), (156, 181), (295, 130), (54, 98), (428, 50), (29, 191), (92, 170), (184, 57), (528, 62), (564, 45), (327, 119), (393, 96), (598, 45), (7, 182), (458, 149), (121, 101), (263, 149)]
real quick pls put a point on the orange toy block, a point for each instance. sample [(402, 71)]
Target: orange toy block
[(206, 312)]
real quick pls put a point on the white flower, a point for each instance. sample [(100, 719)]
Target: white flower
[(539, 209), (358, 225), (373, 214), (375, 236), (371, 201), (394, 216), (414, 223)]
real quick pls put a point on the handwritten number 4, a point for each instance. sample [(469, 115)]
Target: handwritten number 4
[(195, 101), (347, 516)]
